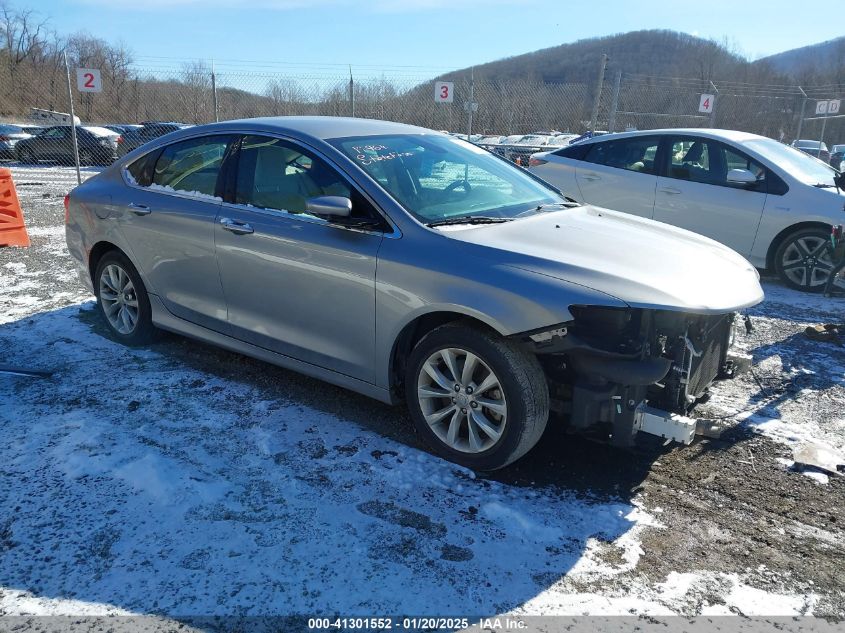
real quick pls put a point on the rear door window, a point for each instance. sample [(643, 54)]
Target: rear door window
[(191, 166), (632, 154)]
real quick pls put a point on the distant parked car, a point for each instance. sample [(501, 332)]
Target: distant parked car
[(144, 134), (562, 140), (9, 137), (587, 135), (97, 145), (769, 202), (122, 128), (520, 150), (837, 154), (489, 140), (813, 148)]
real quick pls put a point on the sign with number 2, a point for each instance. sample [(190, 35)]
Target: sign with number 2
[(443, 91), (88, 80)]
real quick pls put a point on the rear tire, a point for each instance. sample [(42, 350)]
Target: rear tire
[(477, 399), (123, 300), (802, 261)]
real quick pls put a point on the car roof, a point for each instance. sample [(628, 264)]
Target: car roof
[(318, 127), (720, 135)]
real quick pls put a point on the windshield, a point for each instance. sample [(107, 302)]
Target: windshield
[(439, 177), (796, 163)]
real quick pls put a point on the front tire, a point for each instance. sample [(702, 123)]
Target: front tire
[(123, 300), (802, 261), (476, 398)]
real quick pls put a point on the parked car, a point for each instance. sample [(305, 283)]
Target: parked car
[(837, 153), (520, 150), (97, 145), (9, 137), (813, 148), (562, 140), (405, 264), (150, 130), (122, 128), (767, 201)]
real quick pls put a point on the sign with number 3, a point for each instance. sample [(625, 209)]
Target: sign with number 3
[(88, 80), (443, 91)]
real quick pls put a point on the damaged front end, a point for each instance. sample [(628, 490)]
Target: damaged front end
[(617, 371)]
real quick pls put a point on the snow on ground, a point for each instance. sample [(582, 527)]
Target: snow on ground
[(140, 481)]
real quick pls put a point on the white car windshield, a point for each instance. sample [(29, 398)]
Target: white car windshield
[(439, 177), (796, 163)]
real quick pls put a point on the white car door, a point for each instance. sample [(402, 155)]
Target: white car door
[(620, 174), (694, 193)]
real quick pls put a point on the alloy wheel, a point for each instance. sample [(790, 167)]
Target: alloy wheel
[(118, 298), (806, 261), (462, 400)]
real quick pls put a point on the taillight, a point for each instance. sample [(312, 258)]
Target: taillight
[(535, 162), (67, 208)]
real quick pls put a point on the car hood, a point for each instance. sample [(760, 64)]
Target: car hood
[(644, 263)]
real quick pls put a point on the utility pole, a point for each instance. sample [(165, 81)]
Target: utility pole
[(73, 123), (351, 93), (614, 104), (803, 108), (715, 103), (471, 103), (599, 86), (214, 93)]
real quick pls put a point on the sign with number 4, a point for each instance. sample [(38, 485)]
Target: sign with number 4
[(443, 91), (705, 104), (88, 80)]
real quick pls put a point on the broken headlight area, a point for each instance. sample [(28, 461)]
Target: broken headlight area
[(615, 371)]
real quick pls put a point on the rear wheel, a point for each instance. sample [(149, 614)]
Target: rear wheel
[(477, 399), (123, 300), (803, 261)]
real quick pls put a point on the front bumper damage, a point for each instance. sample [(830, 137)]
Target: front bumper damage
[(614, 373)]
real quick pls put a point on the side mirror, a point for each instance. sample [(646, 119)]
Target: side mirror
[(741, 177), (332, 206)]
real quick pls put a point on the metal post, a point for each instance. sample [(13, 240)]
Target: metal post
[(471, 100), (614, 104), (214, 93), (599, 86), (715, 101), (351, 93), (73, 123), (824, 123), (803, 108)]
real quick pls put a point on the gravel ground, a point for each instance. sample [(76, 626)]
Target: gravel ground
[(186, 480)]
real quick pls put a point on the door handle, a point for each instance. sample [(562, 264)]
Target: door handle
[(671, 191), (139, 209), (233, 226), (591, 177)]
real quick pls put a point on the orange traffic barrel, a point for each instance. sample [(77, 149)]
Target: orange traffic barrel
[(12, 229)]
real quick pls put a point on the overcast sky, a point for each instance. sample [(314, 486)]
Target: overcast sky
[(431, 35)]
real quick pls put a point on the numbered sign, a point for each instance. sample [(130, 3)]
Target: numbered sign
[(821, 107), (88, 80), (705, 104), (833, 106), (443, 91)]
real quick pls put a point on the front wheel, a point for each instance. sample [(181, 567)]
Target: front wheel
[(123, 300), (477, 399), (803, 262)]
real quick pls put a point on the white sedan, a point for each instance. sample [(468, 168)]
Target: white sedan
[(769, 202)]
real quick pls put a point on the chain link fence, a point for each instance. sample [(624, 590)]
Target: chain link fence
[(194, 93)]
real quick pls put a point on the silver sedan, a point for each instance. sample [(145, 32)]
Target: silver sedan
[(409, 265)]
